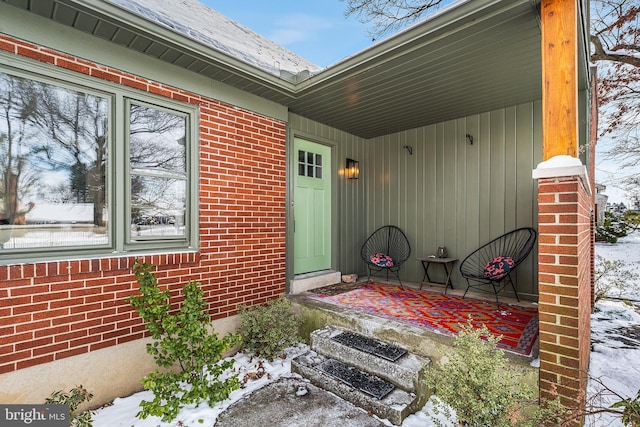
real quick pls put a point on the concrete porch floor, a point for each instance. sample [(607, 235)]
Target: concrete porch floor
[(419, 340)]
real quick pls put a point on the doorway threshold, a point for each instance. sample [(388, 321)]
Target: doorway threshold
[(317, 279)]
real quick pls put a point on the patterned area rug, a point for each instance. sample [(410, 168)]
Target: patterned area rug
[(443, 313)]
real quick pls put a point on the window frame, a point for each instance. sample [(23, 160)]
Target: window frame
[(159, 240), (118, 168)]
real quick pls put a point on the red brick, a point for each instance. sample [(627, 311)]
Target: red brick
[(50, 296), (36, 54), (53, 348), (34, 361), (9, 367), (72, 65), (33, 343), (14, 356), (29, 308), (103, 344), (30, 290), (7, 301), (7, 46), (105, 76), (72, 352), (252, 211), (24, 327)]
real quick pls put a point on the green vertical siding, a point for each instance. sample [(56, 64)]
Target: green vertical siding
[(448, 192)]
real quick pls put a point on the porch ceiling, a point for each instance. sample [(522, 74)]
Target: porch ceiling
[(469, 60), (478, 56)]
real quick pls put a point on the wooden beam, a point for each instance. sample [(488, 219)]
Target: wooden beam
[(560, 77)]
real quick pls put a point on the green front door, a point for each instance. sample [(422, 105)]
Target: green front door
[(312, 207)]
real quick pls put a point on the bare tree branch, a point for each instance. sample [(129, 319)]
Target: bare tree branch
[(387, 16)]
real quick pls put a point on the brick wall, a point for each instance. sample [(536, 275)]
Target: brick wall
[(565, 281), (53, 310)]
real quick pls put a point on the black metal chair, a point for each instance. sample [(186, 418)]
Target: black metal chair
[(489, 267), (386, 250)]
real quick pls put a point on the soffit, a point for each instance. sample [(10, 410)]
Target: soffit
[(459, 65), (110, 22)]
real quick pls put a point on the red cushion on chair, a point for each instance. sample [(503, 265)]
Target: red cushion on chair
[(381, 260), (499, 267)]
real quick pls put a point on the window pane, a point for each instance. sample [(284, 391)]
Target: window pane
[(157, 154), (157, 207), (157, 140), (53, 152)]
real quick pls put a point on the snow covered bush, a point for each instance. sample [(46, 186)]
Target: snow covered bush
[(184, 345)]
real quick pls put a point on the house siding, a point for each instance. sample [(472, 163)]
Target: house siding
[(446, 192), (449, 192), (54, 310)]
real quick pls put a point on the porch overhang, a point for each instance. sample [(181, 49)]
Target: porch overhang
[(469, 58)]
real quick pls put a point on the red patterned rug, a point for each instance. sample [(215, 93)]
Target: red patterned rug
[(443, 313)]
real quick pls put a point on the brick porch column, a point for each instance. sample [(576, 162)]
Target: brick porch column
[(565, 278)]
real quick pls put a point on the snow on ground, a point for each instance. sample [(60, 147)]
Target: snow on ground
[(626, 250), (615, 362), (615, 336), (123, 411), (615, 356)]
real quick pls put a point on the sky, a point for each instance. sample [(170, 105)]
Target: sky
[(316, 30)]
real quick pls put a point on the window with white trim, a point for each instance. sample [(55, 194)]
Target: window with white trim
[(93, 167)]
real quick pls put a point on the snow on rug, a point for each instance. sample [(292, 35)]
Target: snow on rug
[(443, 313)]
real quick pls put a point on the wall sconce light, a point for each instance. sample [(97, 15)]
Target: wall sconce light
[(352, 171), (470, 138)]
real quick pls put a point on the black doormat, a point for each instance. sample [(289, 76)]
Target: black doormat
[(363, 381), (370, 346)]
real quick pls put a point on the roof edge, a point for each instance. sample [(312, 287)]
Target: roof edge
[(106, 10)]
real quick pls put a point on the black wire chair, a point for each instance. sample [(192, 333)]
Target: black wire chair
[(489, 267), (386, 250)]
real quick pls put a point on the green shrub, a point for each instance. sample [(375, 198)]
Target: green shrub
[(269, 328), (612, 228), (184, 339), (74, 398), (630, 410), (478, 385), (632, 219)]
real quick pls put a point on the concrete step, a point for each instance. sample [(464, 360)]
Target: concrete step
[(406, 372), (402, 376), (395, 406)]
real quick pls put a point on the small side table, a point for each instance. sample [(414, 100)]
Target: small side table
[(446, 263)]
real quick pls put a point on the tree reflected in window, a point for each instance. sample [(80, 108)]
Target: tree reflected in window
[(53, 152), (157, 156)]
